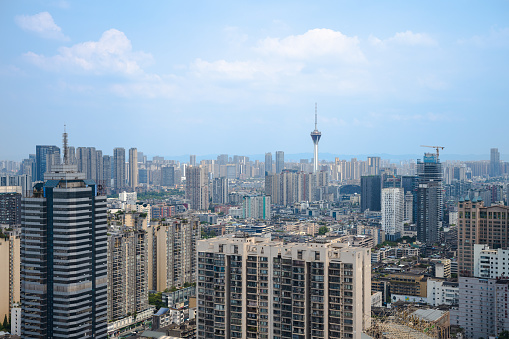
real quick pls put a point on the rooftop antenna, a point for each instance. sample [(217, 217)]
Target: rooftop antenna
[(66, 148), (316, 110)]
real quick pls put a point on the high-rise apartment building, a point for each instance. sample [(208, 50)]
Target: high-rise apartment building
[(256, 207), (10, 205), (107, 159), (168, 176), (192, 160), (280, 161), (495, 165), (173, 259), (429, 199), (393, 203), (373, 165), (119, 168), (45, 156), (133, 168), (10, 277), (63, 258), (220, 190), (371, 191), (257, 288), (268, 163), (127, 272), (197, 188), (478, 224)]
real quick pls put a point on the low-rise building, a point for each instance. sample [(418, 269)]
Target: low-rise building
[(442, 292)]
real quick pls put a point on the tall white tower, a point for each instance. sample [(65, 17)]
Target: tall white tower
[(315, 136)]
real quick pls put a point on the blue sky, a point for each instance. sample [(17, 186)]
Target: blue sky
[(239, 77)]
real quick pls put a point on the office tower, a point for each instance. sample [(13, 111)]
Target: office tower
[(44, 156), (478, 224), (393, 204), (127, 272), (133, 168), (371, 190), (256, 207), (119, 169), (373, 165), (9, 279), (315, 136), (268, 163), (107, 170), (495, 163), (220, 190), (175, 253), (280, 161), (10, 205), (192, 160), (63, 257), (258, 288), (429, 198), (197, 188), (168, 176)]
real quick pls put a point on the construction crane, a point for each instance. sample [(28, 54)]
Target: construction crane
[(438, 148)]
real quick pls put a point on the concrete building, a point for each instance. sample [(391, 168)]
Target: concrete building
[(371, 192), (119, 168), (373, 166), (480, 225), (408, 215), (197, 188), (24, 181), (63, 258), (220, 190), (393, 204), (429, 199), (173, 257), (257, 288), (168, 176), (280, 161), (495, 166), (133, 168), (10, 268), (268, 163), (256, 207), (482, 307), (408, 284), (10, 205), (127, 271), (489, 263), (441, 268), (440, 292), (16, 320)]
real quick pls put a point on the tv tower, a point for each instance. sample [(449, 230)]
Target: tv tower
[(315, 136)]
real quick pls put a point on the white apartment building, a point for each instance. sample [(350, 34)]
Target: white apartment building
[(393, 204), (489, 263), (251, 287), (441, 292)]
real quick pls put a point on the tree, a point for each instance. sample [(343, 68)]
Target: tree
[(6, 324), (322, 230), (156, 299), (503, 335)]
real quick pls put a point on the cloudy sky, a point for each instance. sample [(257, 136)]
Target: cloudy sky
[(242, 77)]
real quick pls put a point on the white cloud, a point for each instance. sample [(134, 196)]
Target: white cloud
[(42, 24), (111, 54), (312, 44), (496, 38), (407, 38)]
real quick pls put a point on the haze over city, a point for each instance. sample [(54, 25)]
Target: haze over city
[(242, 78)]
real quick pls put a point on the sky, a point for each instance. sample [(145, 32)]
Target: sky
[(243, 77)]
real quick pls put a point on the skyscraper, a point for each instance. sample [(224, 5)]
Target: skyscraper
[(393, 204), (192, 160), (197, 188), (119, 169), (429, 198), (133, 168), (220, 190), (63, 257), (258, 288), (268, 163), (315, 136), (280, 161), (371, 190), (494, 163), (44, 156), (168, 176), (256, 207), (373, 165)]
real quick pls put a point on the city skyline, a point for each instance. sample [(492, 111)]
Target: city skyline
[(387, 77)]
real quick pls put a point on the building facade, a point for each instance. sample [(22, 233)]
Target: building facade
[(393, 203), (371, 192), (256, 207), (197, 188), (257, 288), (133, 168)]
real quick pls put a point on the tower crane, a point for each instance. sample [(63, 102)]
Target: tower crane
[(438, 148)]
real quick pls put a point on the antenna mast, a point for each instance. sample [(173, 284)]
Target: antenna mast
[(316, 113)]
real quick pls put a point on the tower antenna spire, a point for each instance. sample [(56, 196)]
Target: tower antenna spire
[(316, 114), (66, 148)]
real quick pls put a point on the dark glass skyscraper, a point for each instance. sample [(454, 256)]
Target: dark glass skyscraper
[(429, 198), (63, 258), (280, 161), (43, 154), (371, 192)]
